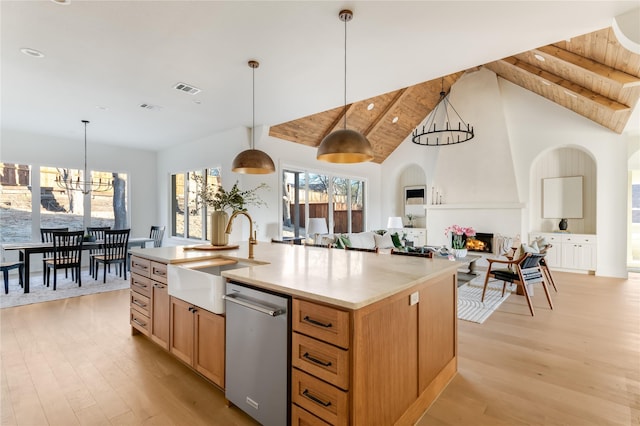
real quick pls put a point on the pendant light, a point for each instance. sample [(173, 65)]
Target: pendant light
[(345, 146), (253, 161)]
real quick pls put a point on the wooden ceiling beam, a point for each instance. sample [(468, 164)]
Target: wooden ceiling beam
[(337, 121), (582, 64), (402, 94), (575, 89)]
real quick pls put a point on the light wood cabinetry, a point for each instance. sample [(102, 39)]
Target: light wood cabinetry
[(417, 235), (399, 357), (570, 251), (150, 300), (197, 338)]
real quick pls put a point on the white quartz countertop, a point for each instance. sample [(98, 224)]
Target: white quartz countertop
[(349, 279)]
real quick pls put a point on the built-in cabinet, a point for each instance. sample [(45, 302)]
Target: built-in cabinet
[(194, 335), (378, 365), (197, 338), (569, 251), (416, 235)]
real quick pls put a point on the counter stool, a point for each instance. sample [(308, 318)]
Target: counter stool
[(5, 267)]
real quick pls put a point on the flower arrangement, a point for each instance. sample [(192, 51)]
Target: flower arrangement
[(459, 235), (222, 200)]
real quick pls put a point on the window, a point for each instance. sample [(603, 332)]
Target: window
[(338, 199), (635, 203), (188, 218), (55, 205), (15, 202)]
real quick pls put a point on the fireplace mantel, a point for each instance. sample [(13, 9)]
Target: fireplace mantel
[(477, 206)]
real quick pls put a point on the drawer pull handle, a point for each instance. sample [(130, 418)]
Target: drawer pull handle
[(137, 302), (157, 272), (316, 399), (316, 322), (139, 323), (316, 360), (139, 284), (138, 265)]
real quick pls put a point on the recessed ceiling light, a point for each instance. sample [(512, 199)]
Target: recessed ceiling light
[(32, 52), (571, 94), (197, 101), (546, 83), (539, 57), (150, 107), (395, 120), (61, 1), (102, 108), (370, 106)]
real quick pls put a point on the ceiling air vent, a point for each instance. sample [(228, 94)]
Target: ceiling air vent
[(187, 88), (150, 107)]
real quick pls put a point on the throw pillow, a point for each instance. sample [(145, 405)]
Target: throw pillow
[(346, 241), (384, 241), (533, 248), (396, 240)]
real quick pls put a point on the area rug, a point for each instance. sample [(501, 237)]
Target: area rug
[(65, 288), (470, 308)]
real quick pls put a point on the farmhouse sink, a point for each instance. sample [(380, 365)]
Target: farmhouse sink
[(201, 282)]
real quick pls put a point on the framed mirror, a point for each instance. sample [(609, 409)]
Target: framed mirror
[(562, 197)]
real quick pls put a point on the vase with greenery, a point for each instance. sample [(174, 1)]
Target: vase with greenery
[(223, 201)]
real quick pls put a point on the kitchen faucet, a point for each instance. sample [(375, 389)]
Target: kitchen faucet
[(252, 234)]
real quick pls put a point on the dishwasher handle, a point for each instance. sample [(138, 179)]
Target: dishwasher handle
[(260, 308)]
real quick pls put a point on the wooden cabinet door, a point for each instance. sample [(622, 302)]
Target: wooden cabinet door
[(181, 330), (160, 312), (209, 348)]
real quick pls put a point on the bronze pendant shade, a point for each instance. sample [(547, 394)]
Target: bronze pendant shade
[(345, 146), (253, 161)]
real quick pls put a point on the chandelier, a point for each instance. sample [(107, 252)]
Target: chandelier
[(451, 130), (86, 184)]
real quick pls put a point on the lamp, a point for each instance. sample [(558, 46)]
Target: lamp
[(87, 185), (253, 161), (345, 146), (395, 222), (317, 225), (442, 114)]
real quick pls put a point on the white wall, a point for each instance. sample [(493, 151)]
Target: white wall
[(221, 148), (139, 165), (513, 128)]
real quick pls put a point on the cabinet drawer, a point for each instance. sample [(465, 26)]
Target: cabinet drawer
[(579, 239), (140, 303), (141, 285), (325, 401), (140, 322), (300, 417), (159, 272), (322, 322), (325, 361), (141, 266)]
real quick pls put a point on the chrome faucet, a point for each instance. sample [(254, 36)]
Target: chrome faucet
[(252, 234)]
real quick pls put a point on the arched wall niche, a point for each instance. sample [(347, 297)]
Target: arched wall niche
[(563, 162), (411, 175)]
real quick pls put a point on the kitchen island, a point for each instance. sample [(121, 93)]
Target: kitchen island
[(374, 338)]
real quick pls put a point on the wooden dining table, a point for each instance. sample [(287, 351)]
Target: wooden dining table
[(26, 249)]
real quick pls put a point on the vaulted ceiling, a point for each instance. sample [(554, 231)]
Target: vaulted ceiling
[(592, 75)]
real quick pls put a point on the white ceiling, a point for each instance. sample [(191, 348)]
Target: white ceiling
[(119, 54)]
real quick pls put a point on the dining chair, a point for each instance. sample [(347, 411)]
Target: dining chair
[(67, 253), (5, 267), (156, 233), (114, 252), (523, 272), (97, 232), (46, 236)]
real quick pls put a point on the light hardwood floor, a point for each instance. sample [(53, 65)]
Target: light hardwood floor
[(75, 362)]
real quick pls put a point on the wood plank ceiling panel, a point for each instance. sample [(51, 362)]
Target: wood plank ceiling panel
[(592, 75)]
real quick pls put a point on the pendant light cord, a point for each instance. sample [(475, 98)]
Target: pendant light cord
[(345, 74), (253, 111), (85, 150)]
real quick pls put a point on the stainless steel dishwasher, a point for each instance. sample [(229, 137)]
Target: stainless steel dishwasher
[(257, 367)]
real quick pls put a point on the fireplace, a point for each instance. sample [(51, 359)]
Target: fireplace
[(482, 243)]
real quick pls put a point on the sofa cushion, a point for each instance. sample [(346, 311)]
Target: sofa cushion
[(364, 240)]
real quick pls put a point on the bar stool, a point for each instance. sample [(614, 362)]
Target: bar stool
[(5, 267)]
